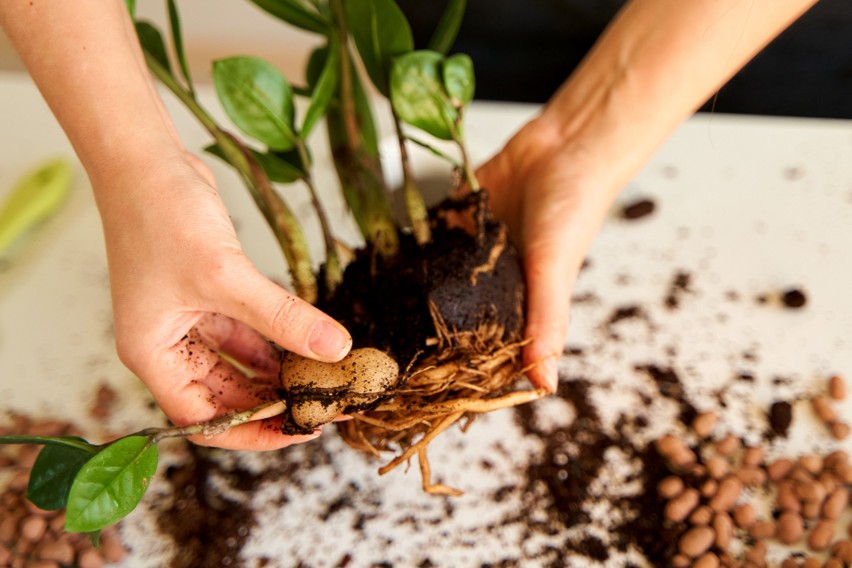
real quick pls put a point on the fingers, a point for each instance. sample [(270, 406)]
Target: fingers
[(284, 318), (263, 435), (195, 385), (548, 305)]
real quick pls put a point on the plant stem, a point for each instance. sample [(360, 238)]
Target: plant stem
[(467, 167), (219, 424), (469, 174), (347, 92), (284, 224), (333, 268), (414, 203), (359, 170)]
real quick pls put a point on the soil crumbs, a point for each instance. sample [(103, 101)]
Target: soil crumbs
[(568, 481)]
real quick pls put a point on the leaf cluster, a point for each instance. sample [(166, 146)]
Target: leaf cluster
[(96, 485)]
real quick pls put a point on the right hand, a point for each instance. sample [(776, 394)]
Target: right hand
[(554, 197)]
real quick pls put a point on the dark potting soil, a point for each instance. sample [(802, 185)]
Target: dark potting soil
[(572, 461), (473, 281)]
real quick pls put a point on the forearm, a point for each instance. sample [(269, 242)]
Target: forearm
[(655, 65), (84, 57)]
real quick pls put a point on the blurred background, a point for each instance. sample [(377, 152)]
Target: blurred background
[(524, 49)]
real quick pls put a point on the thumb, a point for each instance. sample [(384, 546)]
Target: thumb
[(286, 319)]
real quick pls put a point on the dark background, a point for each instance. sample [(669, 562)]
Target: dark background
[(524, 49)]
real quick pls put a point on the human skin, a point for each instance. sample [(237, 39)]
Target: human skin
[(556, 179), (180, 282), (182, 289)]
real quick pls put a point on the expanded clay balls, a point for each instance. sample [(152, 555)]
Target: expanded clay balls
[(825, 411), (710, 499), (31, 537)]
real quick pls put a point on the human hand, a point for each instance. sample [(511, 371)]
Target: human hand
[(554, 197), (184, 293)]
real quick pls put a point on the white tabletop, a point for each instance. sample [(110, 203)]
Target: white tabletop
[(745, 205)]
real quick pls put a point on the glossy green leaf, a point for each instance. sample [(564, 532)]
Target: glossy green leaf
[(177, 41), (111, 484), (381, 33), (418, 96), (448, 27), (53, 473), (152, 43), (277, 168), (258, 99), (297, 14), (459, 83), (35, 197), (323, 89)]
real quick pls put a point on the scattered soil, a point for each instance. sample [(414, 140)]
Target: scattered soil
[(780, 418), (209, 529), (680, 285), (638, 209), (794, 298)]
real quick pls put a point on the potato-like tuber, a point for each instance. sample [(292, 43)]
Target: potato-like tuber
[(318, 392)]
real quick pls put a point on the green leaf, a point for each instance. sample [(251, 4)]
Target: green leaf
[(53, 473), (323, 90), (152, 43), (295, 13), (258, 99), (276, 167), (177, 40), (458, 79), (35, 197), (381, 33), (111, 484), (448, 27), (418, 96), (131, 7)]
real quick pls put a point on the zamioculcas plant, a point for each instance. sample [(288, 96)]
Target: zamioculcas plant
[(434, 301)]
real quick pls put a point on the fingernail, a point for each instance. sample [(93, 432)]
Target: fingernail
[(551, 374), (329, 342)]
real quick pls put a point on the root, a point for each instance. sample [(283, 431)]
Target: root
[(435, 394)]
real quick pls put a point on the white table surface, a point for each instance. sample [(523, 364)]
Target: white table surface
[(745, 204)]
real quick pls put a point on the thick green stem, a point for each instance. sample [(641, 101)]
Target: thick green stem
[(414, 203), (284, 224), (359, 170), (333, 268), (469, 174), (467, 167)]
